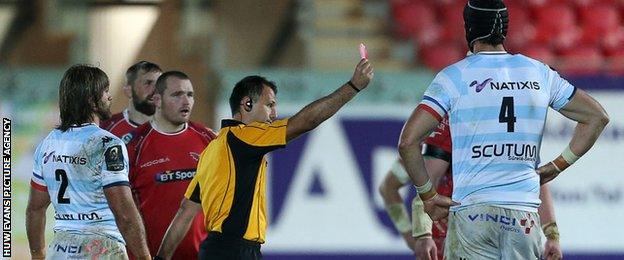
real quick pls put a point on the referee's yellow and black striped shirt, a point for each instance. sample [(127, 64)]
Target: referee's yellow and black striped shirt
[(231, 178)]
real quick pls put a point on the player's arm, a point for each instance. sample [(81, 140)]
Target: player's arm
[(424, 246), (38, 203), (591, 119), (320, 110), (178, 228), (128, 219), (417, 127), (552, 249), (389, 191)]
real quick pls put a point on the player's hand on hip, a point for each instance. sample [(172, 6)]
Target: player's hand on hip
[(552, 250), (363, 74), (425, 248), (547, 172), (438, 206)]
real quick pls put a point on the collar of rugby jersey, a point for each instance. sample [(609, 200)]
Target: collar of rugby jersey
[(491, 52), (230, 122)]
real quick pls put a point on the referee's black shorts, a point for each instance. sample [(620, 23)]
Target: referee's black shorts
[(218, 247)]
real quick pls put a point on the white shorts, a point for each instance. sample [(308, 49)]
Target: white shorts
[(66, 245), (489, 232)]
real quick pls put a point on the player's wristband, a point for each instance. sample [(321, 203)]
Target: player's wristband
[(551, 231), (353, 86), (564, 160), (426, 191), (569, 156), (398, 215), (421, 223)]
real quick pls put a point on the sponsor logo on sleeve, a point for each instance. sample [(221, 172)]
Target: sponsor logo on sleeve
[(126, 138), (194, 155), (113, 157)]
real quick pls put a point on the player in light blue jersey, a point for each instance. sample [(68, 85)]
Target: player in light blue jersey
[(497, 104), (83, 171)]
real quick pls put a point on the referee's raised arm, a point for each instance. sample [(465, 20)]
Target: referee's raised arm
[(320, 110)]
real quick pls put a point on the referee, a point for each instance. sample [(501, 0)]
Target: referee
[(230, 184)]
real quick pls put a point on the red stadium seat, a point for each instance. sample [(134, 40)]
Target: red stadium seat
[(542, 3), (613, 41), (556, 25), (412, 17), (615, 63), (590, 3), (453, 21), (582, 60), (428, 36), (521, 31), (598, 21), (439, 56), (539, 52)]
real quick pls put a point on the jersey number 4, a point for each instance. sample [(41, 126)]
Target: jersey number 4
[(507, 114), (61, 176)]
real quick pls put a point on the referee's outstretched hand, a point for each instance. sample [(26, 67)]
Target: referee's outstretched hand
[(438, 207), (363, 74)]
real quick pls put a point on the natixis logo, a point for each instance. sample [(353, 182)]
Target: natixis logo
[(46, 156), (480, 86)]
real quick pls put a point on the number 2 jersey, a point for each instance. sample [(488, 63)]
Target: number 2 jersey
[(75, 167), (497, 104)]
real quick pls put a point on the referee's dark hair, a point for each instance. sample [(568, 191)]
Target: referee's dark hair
[(80, 94), (250, 86), (161, 83)]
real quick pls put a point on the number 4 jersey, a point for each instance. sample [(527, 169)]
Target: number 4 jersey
[(75, 167), (497, 104)]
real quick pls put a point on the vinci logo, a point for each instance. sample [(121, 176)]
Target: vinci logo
[(480, 86)]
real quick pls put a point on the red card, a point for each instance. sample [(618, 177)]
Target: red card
[(363, 51)]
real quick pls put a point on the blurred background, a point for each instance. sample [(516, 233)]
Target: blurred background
[(323, 187)]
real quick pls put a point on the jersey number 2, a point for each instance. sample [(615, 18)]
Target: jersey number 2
[(61, 176), (506, 114)]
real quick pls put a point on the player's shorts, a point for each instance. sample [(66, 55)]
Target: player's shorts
[(219, 247), (69, 245), (489, 232)]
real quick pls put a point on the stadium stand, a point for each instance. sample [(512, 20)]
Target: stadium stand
[(577, 37)]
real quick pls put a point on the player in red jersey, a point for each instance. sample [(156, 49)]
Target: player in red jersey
[(422, 236), (139, 88), (163, 160), (437, 149)]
